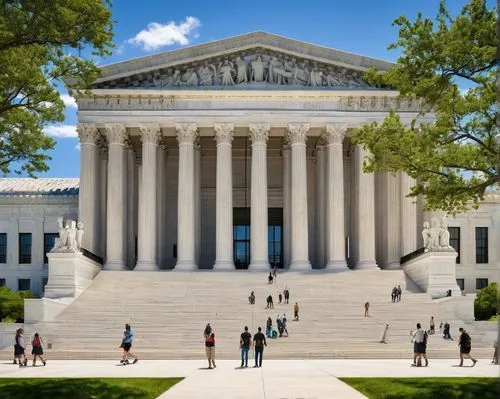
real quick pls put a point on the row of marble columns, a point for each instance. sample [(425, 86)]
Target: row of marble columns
[(296, 240)]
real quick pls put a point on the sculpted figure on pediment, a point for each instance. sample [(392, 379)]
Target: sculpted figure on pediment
[(355, 80), (277, 73), (241, 71), (207, 74), (189, 78), (298, 76), (316, 77), (226, 73), (258, 70)]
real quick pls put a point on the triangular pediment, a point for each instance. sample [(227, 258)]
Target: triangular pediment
[(256, 60)]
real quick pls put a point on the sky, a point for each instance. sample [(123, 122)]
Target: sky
[(151, 26)]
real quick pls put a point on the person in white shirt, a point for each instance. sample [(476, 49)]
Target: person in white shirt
[(419, 340)]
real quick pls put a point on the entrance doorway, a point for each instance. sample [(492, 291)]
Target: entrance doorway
[(241, 237)]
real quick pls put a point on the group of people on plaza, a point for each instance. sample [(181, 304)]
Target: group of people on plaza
[(20, 349)]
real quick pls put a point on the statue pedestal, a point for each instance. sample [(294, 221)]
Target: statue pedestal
[(69, 274), (434, 272)]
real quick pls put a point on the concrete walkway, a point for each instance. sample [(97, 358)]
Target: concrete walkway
[(276, 379)]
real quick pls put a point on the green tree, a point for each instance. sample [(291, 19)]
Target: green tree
[(486, 302), (12, 304), (39, 40), (455, 159)]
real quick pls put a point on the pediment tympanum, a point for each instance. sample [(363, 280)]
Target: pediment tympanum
[(259, 69)]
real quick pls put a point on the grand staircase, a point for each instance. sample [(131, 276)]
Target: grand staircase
[(169, 310)]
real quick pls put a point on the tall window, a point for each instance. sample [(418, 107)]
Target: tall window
[(3, 247), (481, 245), (274, 246), (455, 240), (2, 282), (24, 248), (23, 284), (48, 243), (241, 246), (481, 283)]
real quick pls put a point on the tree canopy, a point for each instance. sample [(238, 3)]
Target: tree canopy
[(40, 45), (451, 64)]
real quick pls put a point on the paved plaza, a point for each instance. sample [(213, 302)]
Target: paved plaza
[(276, 379)]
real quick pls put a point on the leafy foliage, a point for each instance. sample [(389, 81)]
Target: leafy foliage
[(12, 304), (38, 39), (486, 302), (455, 159)]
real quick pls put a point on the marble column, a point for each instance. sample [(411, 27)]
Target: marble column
[(116, 134), (224, 198), (132, 198), (161, 202), (197, 201), (320, 204), (146, 237), (335, 236), (259, 258), (287, 204), (187, 134), (408, 208), (365, 213), (297, 134), (88, 198)]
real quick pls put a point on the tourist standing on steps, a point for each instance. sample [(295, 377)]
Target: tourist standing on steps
[(20, 348), (37, 350), (269, 327), (270, 278), (128, 335), (465, 345), (283, 324), (394, 294), (280, 298), (245, 343), (286, 294), (270, 303), (367, 308), (398, 296), (251, 298), (446, 331), (259, 341), (209, 336), (432, 326), (296, 312)]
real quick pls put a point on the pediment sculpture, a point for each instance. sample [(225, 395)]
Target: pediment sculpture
[(436, 235), (70, 237), (256, 70)]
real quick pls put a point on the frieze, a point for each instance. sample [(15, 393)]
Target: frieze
[(263, 69)]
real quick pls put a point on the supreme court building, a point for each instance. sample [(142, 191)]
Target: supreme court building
[(237, 154)]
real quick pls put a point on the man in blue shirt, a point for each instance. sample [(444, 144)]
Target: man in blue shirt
[(127, 344)]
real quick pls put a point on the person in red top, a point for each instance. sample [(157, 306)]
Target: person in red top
[(209, 336), (37, 350)]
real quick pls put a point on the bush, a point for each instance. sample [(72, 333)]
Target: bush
[(486, 302), (12, 304)]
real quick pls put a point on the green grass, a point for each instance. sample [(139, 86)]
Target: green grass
[(85, 388), (426, 388)]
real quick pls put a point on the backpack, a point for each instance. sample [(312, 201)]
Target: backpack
[(467, 339), (36, 342), (426, 336)]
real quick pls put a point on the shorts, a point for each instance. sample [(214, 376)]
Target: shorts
[(210, 352), (465, 349), (126, 347), (18, 350), (37, 350), (422, 347)]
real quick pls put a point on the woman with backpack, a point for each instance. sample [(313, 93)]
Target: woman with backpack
[(37, 350), (209, 336), (20, 348)]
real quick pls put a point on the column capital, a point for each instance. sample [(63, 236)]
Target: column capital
[(224, 133), (334, 133), (88, 133), (297, 132), (186, 132), (150, 133), (116, 133), (259, 132)]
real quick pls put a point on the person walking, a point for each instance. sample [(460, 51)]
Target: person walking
[(270, 278), (283, 325), (432, 326), (209, 336), (37, 350), (367, 308), (20, 348), (270, 299), (280, 298), (465, 346), (296, 312), (259, 341), (286, 294), (446, 331), (394, 294), (251, 298), (128, 335), (245, 343)]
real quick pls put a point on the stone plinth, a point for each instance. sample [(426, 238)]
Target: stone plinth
[(434, 272), (69, 274)]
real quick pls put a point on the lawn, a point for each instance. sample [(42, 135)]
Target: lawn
[(426, 388), (85, 388)]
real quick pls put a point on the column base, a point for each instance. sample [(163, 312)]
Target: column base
[(259, 267), (336, 266), (146, 266), (392, 266), (224, 265), (366, 265), (186, 265), (114, 265), (300, 265)]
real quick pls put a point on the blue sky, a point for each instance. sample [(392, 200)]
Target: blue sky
[(151, 26)]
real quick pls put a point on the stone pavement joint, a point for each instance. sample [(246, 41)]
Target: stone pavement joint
[(277, 379)]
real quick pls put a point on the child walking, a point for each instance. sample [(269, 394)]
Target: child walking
[(37, 350)]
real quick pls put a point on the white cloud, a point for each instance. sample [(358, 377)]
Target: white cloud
[(78, 147), (61, 131), (157, 35), (68, 100)]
